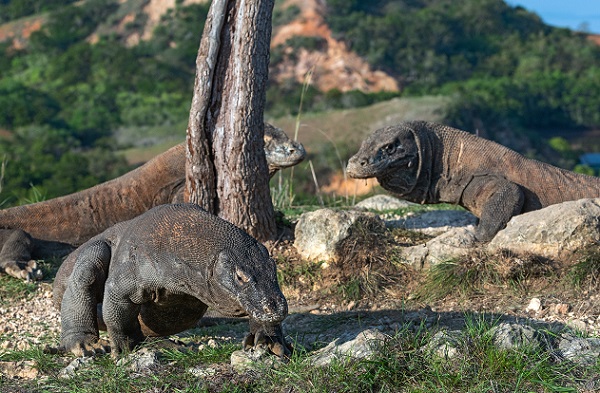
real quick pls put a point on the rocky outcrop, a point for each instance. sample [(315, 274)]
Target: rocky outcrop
[(318, 234), (553, 232)]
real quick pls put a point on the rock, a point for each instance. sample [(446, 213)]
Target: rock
[(202, 372), (534, 305), (141, 360), (445, 344), (359, 346), (452, 244), (553, 231), (318, 234), (75, 365), (384, 202), (584, 351), (24, 369), (252, 359), (435, 222), (514, 335)]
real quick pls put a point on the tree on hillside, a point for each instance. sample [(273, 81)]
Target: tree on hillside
[(225, 173)]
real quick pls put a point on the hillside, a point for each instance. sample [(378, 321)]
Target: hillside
[(332, 66)]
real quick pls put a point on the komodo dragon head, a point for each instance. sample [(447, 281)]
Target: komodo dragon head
[(249, 276), (392, 155), (281, 152)]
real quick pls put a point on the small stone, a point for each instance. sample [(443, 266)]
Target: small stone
[(69, 371), (561, 309), (535, 305), (202, 372), (360, 346), (142, 360), (513, 335), (580, 350), (212, 343), (253, 359), (445, 344)]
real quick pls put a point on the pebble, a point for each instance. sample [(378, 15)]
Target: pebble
[(535, 305)]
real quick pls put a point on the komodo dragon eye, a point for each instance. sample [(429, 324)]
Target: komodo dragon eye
[(240, 277), (390, 148)]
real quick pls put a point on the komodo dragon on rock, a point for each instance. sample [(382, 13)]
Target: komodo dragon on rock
[(432, 163), (56, 226), (156, 275)]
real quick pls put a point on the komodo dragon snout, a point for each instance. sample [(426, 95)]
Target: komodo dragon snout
[(252, 285)]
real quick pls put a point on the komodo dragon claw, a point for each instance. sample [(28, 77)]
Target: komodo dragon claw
[(21, 269), (275, 344), (82, 348)]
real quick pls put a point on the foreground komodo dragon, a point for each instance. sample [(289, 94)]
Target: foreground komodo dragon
[(156, 275), (56, 226), (431, 163)]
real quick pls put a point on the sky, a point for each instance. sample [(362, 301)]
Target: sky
[(565, 13)]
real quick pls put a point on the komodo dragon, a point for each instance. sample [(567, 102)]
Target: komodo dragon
[(56, 226), (156, 275), (431, 163)]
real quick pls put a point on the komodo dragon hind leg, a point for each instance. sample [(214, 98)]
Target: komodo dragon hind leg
[(495, 200), (15, 255), (78, 308)]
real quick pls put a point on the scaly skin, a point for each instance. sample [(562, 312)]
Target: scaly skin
[(430, 163), (58, 225), (157, 274)]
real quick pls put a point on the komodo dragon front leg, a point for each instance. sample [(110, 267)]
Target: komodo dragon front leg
[(80, 333), (494, 200)]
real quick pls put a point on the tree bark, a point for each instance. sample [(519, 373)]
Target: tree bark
[(226, 169)]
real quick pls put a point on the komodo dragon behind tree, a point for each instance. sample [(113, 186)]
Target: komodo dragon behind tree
[(57, 226), (431, 163), (156, 275)]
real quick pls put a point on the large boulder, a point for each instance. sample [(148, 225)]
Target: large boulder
[(552, 232), (318, 234), (449, 245)]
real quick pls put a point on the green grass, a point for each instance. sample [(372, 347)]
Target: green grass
[(586, 271), (404, 363), (12, 289)]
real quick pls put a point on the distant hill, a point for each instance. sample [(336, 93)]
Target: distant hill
[(303, 39)]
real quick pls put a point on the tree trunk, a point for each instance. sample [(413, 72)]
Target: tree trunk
[(226, 170)]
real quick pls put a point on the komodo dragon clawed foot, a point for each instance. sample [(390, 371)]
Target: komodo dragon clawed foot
[(267, 336), (26, 270), (15, 256), (81, 346)]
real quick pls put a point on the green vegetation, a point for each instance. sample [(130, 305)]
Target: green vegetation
[(406, 362), (10, 10), (62, 98)]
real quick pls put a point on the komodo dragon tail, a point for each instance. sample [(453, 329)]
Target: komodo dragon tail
[(75, 218)]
